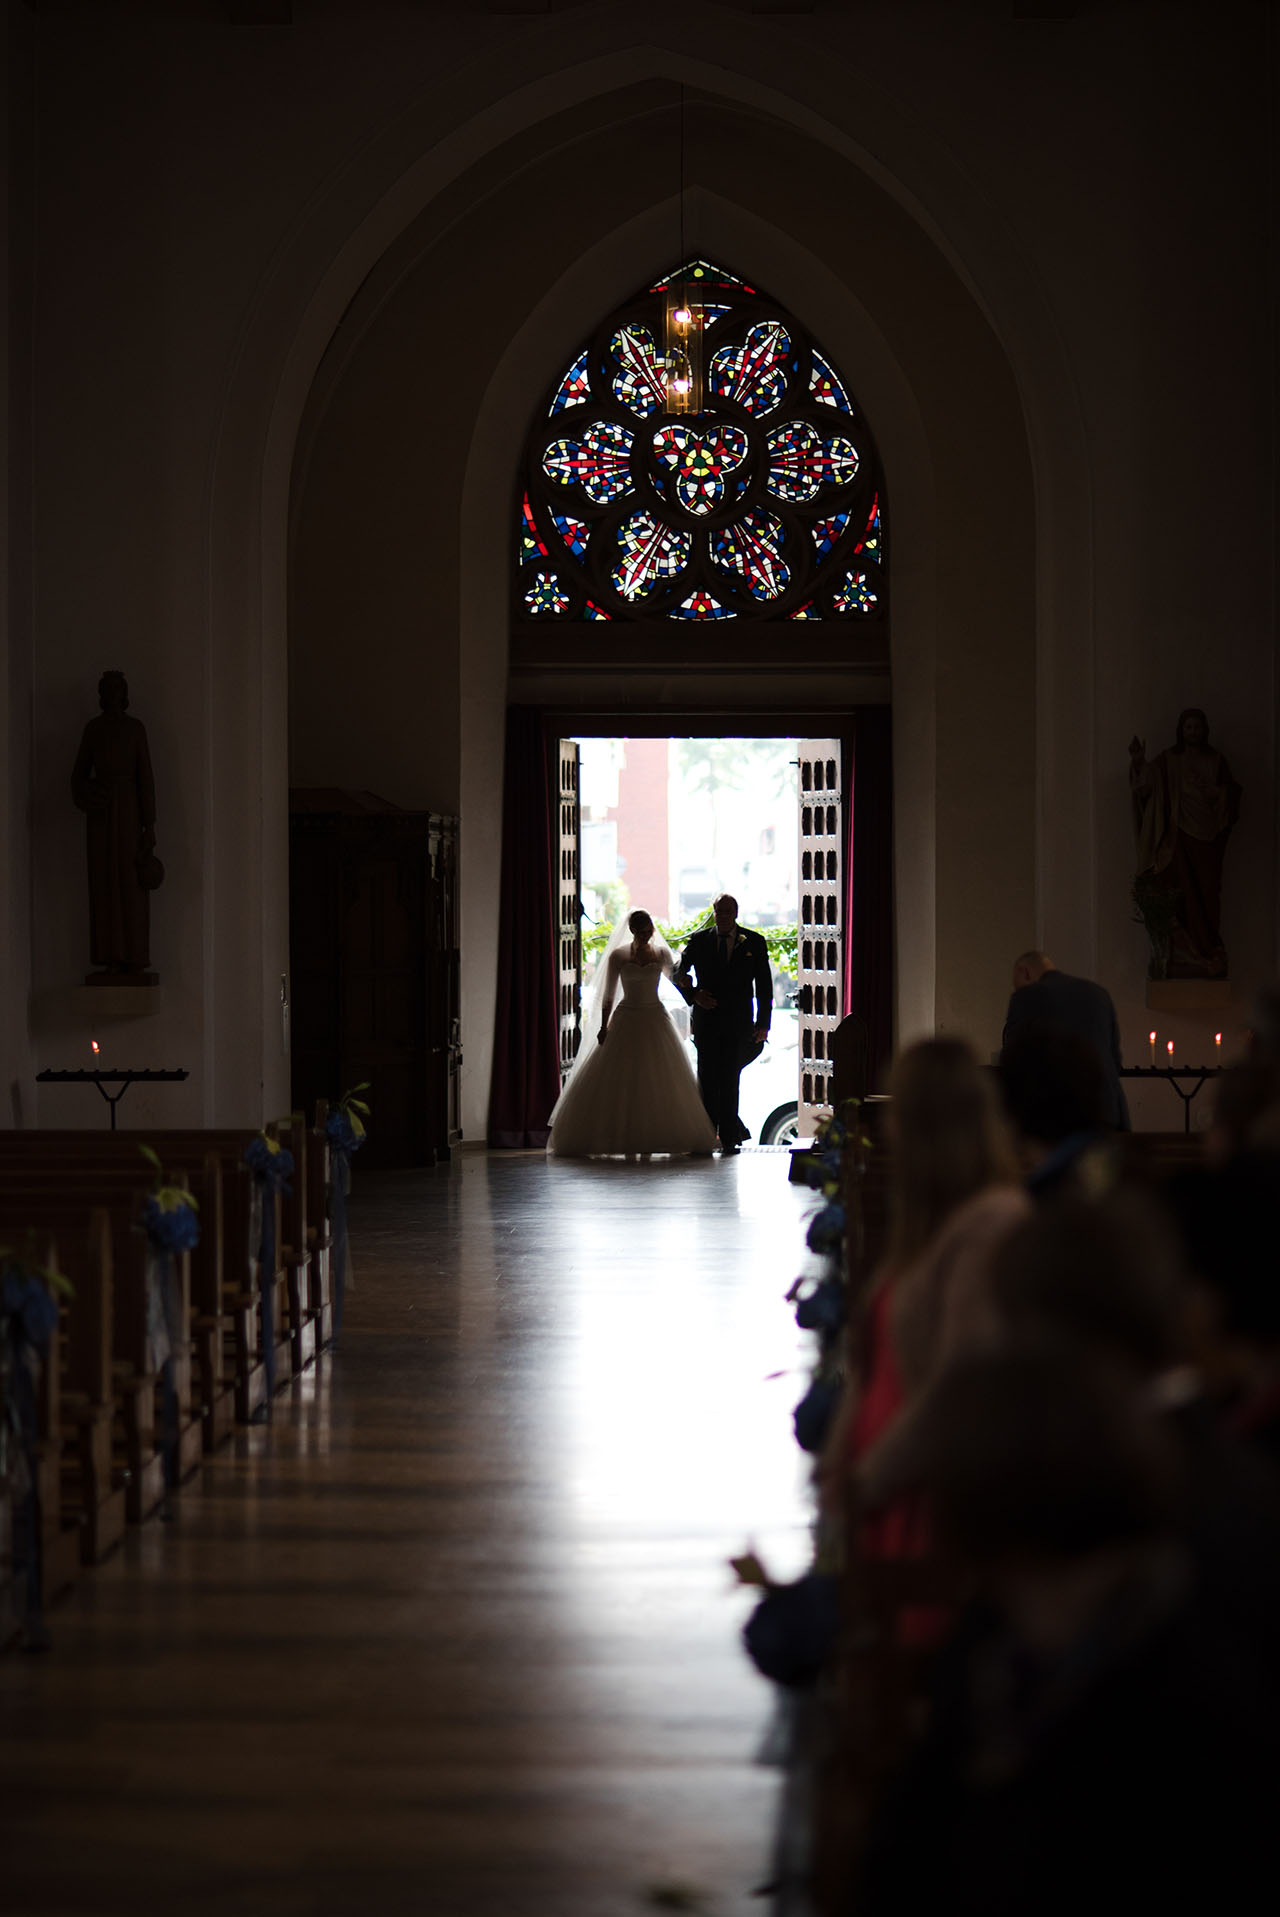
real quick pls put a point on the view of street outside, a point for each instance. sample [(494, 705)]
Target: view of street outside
[(668, 823)]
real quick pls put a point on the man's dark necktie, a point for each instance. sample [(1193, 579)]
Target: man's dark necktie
[(724, 951)]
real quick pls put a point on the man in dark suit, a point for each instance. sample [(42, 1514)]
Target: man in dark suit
[(1047, 1000), (724, 975)]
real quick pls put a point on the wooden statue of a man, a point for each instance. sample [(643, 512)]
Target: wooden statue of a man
[(112, 784)]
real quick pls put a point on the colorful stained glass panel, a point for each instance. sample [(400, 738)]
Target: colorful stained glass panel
[(802, 462), (772, 423), (574, 532), (855, 595), (752, 548), (701, 605), (828, 531), (531, 546), (651, 554), (698, 461), (702, 273), (546, 596), (575, 387), (641, 380), (869, 544), (599, 462), (755, 373), (825, 386)]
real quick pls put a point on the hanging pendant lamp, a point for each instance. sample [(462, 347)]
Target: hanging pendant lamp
[(683, 357)]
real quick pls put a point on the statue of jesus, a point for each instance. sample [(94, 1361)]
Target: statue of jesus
[(1185, 803)]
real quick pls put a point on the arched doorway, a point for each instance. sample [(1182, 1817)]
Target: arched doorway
[(700, 487), (391, 461)]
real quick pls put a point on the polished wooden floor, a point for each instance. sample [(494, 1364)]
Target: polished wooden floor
[(455, 1635)]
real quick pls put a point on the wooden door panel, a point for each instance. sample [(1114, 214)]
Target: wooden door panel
[(821, 931)]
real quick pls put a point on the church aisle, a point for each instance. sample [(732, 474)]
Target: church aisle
[(455, 1635)]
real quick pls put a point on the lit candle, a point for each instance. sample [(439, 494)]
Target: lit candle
[(1217, 1042), (1169, 1049), (1151, 1041), (95, 1046)]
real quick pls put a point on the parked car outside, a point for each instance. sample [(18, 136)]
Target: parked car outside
[(769, 1100)]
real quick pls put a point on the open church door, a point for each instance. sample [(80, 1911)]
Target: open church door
[(821, 930), (569, 906)]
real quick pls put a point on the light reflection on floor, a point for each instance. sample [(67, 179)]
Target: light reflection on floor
[(475, 1569)]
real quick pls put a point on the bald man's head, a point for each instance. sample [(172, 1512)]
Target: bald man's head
[(1030, 966)]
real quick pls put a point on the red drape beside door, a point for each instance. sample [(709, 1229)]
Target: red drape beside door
[(868, 867), (526, 1051)]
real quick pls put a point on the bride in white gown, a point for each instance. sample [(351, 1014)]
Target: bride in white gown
[(632, 1089)]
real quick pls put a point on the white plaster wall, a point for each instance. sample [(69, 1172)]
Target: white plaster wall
[(210, 201)]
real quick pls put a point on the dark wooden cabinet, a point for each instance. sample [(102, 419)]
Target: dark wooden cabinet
[(373, 947)]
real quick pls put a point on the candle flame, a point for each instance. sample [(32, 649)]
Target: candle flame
[(1151, 1038), (1169, 1048), (1217, 1038), (95, 1045)]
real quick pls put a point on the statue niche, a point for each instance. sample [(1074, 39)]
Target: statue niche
[(112, 784)]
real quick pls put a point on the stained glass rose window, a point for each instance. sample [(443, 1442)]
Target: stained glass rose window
[(763, 502)]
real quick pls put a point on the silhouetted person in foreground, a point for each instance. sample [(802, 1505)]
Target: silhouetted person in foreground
[(1046, 1000), (1055, 1097), (1089, 1746), (1109, 1280), (1228, 1217), (113, 786)]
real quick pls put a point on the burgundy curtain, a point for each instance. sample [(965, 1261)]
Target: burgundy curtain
[(868, 946), (526, 1040)]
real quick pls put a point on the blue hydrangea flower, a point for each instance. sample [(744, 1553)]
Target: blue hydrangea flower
[(342, 1134), (27, 1301), (269, 1161), (812, 1417), (827, 1228), (824, 1307), (793, 1630), (171, 1227)]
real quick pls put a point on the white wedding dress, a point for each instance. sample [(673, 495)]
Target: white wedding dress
[(636, 1092)]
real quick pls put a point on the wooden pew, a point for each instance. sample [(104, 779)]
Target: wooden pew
[(82, 1506), (58, 1532), (230, 1365), (294, 1315), (305, 1215), (293, 1320), (78, 1154), (230, 1353), (60, 1200), (87, 1400)]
